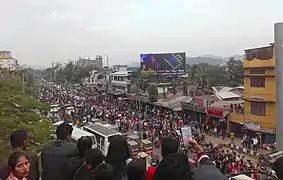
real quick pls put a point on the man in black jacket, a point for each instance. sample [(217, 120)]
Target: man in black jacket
[(206, 168), (55, 155), (176, 167), (74, 163)]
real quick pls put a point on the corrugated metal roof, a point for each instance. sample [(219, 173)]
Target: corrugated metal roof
[(121, 73), (221, 104), (226, 89), (208, 97), (227, 95)]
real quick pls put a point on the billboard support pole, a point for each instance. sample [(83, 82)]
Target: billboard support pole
[(278, 37)]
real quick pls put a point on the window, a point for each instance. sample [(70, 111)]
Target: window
[(257, 81), (264, 53), (257, 71), (258, 108)]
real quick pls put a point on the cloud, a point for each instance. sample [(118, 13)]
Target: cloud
[(191, 3), (52, 14)]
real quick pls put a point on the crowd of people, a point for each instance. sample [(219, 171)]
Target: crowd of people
[(63, 160)]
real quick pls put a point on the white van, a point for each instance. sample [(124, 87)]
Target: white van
[(103, 136), (78, 133)]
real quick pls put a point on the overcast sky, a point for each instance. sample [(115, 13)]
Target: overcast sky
[(39, 32)]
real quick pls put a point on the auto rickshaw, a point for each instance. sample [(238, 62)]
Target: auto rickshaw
[(134, 148), (146, 146)]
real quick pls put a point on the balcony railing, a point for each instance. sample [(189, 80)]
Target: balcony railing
[(259, 63)]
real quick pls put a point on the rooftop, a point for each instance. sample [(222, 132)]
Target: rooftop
[(121, 73), (226, 95), (101, 129), (221, 104), (208, 97), (261, 47)]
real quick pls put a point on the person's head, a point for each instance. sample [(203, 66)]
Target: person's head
[(18, 139), (19, 164), (168, 146), (118, 153), (64, 132), (277, 167), (173, 166), (103, 172), (84, 143), (93, 157), (136, 170)]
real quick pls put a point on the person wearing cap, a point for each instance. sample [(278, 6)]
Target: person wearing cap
[(55, 155)]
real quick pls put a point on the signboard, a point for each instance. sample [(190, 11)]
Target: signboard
[(163, 64), (217, 112), (252, 125), (196, 105)]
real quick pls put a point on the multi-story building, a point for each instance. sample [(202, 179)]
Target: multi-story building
[(95, 63), (259, 112), (259, 82), (119, 67), (121, 81), (7, 61)]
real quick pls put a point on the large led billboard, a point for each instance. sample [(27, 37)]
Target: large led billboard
[(163, 64)]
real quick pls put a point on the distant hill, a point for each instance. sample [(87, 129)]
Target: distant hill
[(205, 59), (210, 59)]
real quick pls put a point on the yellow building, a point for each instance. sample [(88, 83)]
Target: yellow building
[(259, 83)]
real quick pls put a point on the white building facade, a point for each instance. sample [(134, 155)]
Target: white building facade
[(121, 81), (7, 61)]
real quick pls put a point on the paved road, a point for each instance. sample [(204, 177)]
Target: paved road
[(217, 141)]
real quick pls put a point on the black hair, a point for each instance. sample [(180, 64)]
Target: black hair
[(174, 166), (277, 166), (14, 158), (94, 157), (103, 172), (63, 130), (136, 170), (84, 143), (18, 137), (118, 153), (168, 146)]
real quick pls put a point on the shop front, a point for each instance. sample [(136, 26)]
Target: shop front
[(194, 110), (217, 116), (189, 111)]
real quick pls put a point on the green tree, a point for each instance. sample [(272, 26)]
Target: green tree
[(20, 110), (235, 72), (152, 93)]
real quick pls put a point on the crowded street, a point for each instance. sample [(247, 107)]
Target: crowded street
[(89, 106)]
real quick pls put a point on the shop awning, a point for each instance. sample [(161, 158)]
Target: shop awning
[(143, 99), (116, 93), (177, 109)]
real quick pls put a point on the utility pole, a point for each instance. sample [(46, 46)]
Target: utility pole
[(107, 61), (23, 83), (278, 38)]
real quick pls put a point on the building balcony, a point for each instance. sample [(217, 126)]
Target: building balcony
[(101, 81), (255, 63), (121, 83), (266, 74)]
